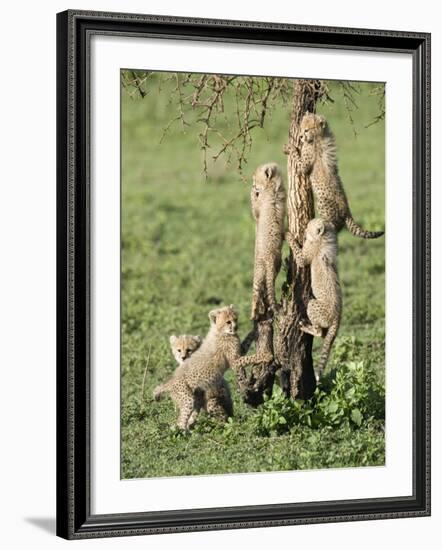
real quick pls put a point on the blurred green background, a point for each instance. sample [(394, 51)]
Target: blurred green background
[(188, 245)]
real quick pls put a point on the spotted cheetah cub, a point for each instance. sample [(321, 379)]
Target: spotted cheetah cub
[(268, 208), (203, 371), (183, 346), (317, 158), (324, 309), (216, 401)]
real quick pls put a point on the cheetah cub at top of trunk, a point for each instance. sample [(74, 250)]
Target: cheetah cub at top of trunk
[(216, 401), (324, 309), (317, 158), (268, 208), (204, 369)]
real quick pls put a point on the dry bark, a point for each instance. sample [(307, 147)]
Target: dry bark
[(259, 381)]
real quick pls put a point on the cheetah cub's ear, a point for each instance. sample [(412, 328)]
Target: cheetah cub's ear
[(197, 339), (173, 339), (320, 227), (233, 309), (322, 121), (271, 171), (212, 315), (273, 175)]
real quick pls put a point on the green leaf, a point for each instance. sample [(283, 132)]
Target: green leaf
[(356, 416), (350, 393)]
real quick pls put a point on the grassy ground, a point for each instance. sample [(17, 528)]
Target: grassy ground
[(188, 246)]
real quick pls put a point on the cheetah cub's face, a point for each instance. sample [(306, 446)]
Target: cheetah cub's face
[(266, 180), (183, 346), (312, 126), (225, 319)]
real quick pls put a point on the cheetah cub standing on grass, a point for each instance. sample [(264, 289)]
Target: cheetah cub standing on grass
[(324, 309), (317, 158), (216, 401), (203, 371), (268, 207)]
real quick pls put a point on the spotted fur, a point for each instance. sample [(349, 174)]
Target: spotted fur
[(263, 334), (268, 208), (203, 371), (252, 359), (317, 158), (216, 401), (320, 251), (183, 346)]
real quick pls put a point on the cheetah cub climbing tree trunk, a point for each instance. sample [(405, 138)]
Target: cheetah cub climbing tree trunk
[(317, 160), (268, 200), (320, 251)]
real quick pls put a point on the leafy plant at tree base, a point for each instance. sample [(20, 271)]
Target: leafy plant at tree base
[(356, 397)]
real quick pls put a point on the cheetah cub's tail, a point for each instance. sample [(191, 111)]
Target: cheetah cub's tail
[(160, 390), (357, 230), (326, 348)]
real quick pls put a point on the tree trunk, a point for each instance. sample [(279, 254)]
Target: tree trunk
[(261, 377), (293, 347)]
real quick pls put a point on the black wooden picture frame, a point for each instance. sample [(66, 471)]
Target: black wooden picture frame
[(74, 518)]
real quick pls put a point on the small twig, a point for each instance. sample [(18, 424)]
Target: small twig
[(144, 375), (349, 91), (380, 92)]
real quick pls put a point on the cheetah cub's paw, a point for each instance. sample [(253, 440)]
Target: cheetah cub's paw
[(310, 329)]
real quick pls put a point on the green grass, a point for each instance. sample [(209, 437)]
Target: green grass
[(188, 245)]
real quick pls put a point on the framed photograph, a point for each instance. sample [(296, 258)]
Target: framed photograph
[(243, 274)]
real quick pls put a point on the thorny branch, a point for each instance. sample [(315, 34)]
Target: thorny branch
[(349, 92), (135, 82), (380, 92), (253, 98)]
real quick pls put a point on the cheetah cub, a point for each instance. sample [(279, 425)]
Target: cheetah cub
[(203, 371), (324, 309), (183, 346), (317, 158), (215, 401), (268, 208)]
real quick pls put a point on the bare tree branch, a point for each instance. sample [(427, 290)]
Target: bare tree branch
[(254, 98)]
